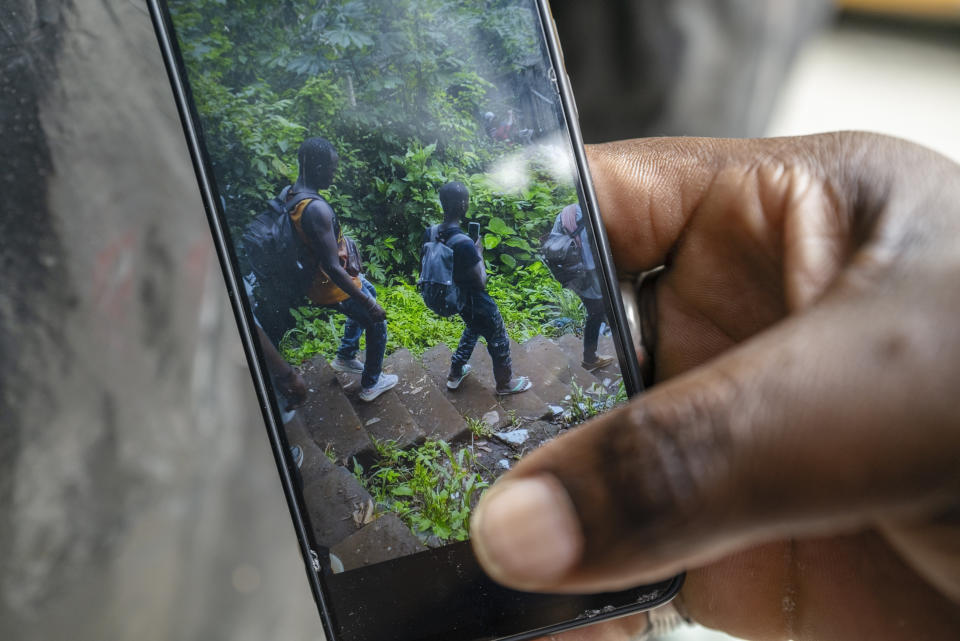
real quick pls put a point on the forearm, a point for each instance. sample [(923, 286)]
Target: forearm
[(480, 269), (276, 366), (480, 275)]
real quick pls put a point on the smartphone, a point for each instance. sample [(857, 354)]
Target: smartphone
[(333, 142), (474, 231)]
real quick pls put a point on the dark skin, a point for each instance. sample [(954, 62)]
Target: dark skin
[(287, 379), (319, 228), (800, 455)]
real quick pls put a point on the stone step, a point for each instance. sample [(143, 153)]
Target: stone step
[(473, 399), (573, 348), (332, 501), (498, 452), (433, 413), (385, 539), (494, 457), (527, 436), (553, 373), (330, 496), (315, 461), (528, 405), (385, 418), (328, 415)]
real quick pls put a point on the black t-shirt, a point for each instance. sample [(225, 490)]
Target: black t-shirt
[(465, 255)]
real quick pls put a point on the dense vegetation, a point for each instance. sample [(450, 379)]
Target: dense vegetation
[(433, 487), (400, 88), (530, 300)]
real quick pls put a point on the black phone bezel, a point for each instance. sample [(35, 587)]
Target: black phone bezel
[(626, 353), (470, 227), (500, 604)]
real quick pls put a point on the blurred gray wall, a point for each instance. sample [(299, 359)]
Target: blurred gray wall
[(681, 67), (138, 495)]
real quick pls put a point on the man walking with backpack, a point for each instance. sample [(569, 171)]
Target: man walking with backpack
[(317, 226), (567, 240), (478, 310)]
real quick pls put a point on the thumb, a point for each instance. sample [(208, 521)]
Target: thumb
[(804, 429)]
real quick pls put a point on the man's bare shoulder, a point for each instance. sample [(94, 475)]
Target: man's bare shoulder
[(319, 214)]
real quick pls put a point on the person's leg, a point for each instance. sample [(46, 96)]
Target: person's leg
[(468, 340), (459, 365), (596, 313), (376, 348), (352, 331), (350, 343), (276, 320), (376, 340), (489, 324)]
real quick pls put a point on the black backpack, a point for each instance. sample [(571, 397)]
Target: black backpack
[(563, 254), (439, 292), (277, 258)]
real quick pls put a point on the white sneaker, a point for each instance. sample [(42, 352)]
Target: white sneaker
[(350, 367), (336, 565), (297, 453), (387, 382), (453, 382)]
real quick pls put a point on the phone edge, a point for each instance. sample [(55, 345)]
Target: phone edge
[(172, 60), (624, 341), (668, 595)]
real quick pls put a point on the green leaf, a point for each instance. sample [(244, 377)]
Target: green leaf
[(519, 243), (491, 241), (498, 226), (508, 260)]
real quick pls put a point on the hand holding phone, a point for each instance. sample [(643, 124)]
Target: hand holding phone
[(796, 388), (401, 413)]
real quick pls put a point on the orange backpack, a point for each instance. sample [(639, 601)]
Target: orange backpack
[(323, 291)]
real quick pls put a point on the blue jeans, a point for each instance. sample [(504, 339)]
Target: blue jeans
[(482, 318), (358, 322)]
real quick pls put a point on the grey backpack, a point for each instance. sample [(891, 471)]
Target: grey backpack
[(562, 252), (437, 288)]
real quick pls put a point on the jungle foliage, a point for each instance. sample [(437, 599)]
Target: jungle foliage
[(431, 487), (399, 87), (530, 301)]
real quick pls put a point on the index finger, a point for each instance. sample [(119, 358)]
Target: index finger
[(647, 190)]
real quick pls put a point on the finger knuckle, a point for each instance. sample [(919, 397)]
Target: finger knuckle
[(671, 458)]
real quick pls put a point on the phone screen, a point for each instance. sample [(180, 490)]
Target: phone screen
[(342, 146)]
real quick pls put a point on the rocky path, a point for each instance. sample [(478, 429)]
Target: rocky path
[(335, 428)]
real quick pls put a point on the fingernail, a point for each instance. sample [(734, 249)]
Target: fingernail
[(526, 533)]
